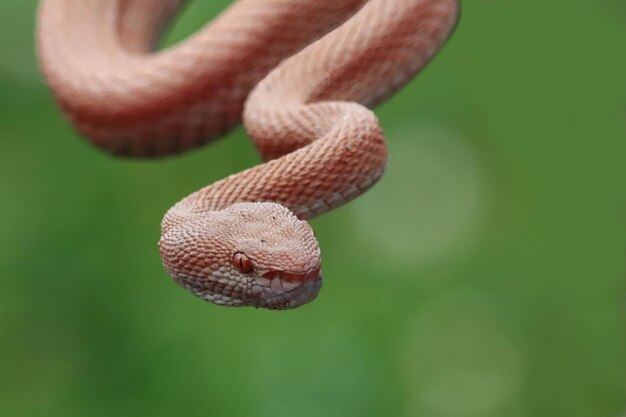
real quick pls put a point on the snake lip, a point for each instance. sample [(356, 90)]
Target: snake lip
[(296, 297), (294, 278), (293, 290)]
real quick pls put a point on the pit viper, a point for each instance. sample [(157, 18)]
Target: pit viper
[(301, 75)]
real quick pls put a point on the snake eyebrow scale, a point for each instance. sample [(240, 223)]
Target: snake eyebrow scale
[(301, 75)]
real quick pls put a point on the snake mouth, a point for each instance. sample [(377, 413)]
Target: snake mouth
[(296, 297), (290, 290)]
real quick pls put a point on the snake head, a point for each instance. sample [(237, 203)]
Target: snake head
[(249, 254)]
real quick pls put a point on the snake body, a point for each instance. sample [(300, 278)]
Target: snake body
[(301, 74)]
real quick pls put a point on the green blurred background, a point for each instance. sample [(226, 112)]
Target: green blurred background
[(485, 275)]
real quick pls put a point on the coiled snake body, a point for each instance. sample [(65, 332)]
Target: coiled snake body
[(301, 74)]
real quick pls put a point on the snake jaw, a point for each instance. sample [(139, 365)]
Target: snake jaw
[(280, 290), (289, 290)]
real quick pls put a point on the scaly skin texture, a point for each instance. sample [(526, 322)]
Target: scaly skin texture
[(301, 73)]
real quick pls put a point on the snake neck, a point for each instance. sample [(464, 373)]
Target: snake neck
[(346, 158)]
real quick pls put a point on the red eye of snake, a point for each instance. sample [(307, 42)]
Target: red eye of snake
[(242, 263)]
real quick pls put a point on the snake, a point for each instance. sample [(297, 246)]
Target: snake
[(301, 75)]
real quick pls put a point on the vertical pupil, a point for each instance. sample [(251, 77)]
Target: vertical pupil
[(242, 263)]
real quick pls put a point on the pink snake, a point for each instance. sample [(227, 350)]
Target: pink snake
[(300, 73)]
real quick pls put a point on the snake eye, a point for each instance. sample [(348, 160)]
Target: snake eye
[(242, 263)]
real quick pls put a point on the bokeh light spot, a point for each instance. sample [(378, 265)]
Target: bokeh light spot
[(458, 359), (429, 201)]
